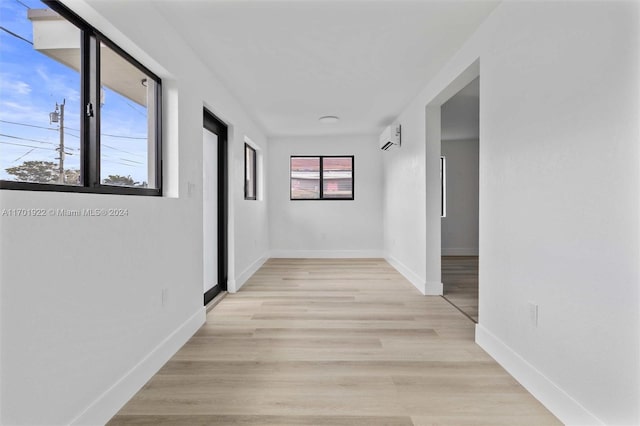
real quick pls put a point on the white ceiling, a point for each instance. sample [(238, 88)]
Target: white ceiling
[(291, 62)]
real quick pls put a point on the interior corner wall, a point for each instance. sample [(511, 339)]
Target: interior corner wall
[(460, 226), (326, 228), (559, 200), (83, 320)]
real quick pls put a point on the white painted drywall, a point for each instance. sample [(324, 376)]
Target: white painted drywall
[(404, 207), (331, 228), (559, 206), (249, 218), (460, 226), (82, 323)]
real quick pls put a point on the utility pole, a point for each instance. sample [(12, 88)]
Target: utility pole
[(59, 117)]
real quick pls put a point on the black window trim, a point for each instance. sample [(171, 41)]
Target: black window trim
[(90, 126), (321, 195), (255, 174)]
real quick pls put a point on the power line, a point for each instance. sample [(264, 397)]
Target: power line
[(26, 139), (46, 149), (15, 35), (121, 150), (113, 136), (26, 146), (38, 127), (18, 1), (131, 161), (135, 109), (71, 128), (69, 148), (29, 125), (23, 155), (112, 160), (123, 137), (70, 134), (34, 140)]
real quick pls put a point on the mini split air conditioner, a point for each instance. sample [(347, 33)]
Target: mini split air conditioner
[(390, 137)]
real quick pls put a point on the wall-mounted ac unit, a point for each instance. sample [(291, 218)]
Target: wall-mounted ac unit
[(390, 136)]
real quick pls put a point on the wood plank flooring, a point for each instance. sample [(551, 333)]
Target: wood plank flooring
[(460, 282), (332, 342)]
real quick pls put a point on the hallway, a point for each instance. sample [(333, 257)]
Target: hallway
[(332, 342)]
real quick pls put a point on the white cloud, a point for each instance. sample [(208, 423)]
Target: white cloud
[(9, 85)]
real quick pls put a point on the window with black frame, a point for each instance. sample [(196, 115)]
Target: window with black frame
[(250, 169), (321, 178), (78, 113)]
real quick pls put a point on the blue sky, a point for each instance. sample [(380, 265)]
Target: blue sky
[(31, 84)]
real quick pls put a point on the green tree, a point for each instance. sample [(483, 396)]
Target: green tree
[(119, 180), (71, 176), (42, 172)]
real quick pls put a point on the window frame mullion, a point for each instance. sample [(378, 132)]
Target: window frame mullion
[(159, 154), (321, 159), (93, 120)]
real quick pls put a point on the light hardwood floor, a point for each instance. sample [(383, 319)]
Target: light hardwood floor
[(332, 342), (460, 281)]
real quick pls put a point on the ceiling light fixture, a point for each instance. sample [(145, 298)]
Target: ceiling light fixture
[(328, 119)]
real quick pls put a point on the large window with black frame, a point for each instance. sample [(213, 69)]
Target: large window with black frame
[(77, 113), (250, 171), (322, 177)]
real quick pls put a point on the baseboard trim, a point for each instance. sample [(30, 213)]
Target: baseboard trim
[(434, 288), (458, 251), (327, 254), (560, 403), (113, 399), (406, 272), (248, 273)]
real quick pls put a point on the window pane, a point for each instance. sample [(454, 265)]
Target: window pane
[(305, 177), (39, 95), (127, 123), (249, 169), (337, 177)]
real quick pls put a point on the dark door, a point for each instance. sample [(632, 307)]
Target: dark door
[(214, 211)]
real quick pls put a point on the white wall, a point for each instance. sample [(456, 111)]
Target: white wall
[(559, 203), (404, 208), (460, 227), (82, 322), (330, 228), (250, 217)]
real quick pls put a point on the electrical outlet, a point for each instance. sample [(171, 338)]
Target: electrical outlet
[(533, 313)]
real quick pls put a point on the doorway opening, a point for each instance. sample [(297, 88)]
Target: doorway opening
[(460, 141), (214, 206)]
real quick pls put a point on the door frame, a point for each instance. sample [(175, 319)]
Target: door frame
[(217, 126), (433, 285)]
